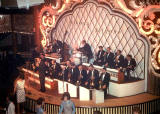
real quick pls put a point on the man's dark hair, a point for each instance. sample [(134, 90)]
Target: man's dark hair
[(130, 56), (40, 100), (100, 46), (66, 94)]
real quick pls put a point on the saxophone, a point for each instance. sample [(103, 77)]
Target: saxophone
[(92, 82)]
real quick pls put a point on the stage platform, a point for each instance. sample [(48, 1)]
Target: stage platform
[(113, 105)]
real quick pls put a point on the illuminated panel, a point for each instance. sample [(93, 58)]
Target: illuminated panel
[(159, 57), (38, 82), (35, 74)]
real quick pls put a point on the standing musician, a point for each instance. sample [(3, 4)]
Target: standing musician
[(67, 71), (86, 50), (55, 69), (80, 76), (104, 79), (73, 72), (92, 77), (129, 65), (119, 59), (109, 58), (100, 56), (43, 70)]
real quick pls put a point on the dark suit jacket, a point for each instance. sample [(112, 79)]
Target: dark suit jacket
[(120, 62), (100, 57), (106, 79), (132, 63), (86, 50), (43, 69), (55, 70), (83, 73), (109, 59), (58, 45), (96, 75)]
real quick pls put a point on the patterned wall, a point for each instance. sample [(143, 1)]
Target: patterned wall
[(99, 25)]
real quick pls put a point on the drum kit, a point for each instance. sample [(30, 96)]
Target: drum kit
[(79, 58)]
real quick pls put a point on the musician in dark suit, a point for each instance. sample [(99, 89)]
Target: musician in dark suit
[(129, 65), (55, 69), (119, 59), (92, 77), (43, 71), (100, 56), (104, 79), (86, 50), (57, 46), (81, 75), (67, 71), (109, 58)]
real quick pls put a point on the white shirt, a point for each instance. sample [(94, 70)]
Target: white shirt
[(11, 108)]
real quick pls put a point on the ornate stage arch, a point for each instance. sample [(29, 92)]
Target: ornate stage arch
[(100, 24)]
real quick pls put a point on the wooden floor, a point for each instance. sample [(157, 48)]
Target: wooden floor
[(52, 97)]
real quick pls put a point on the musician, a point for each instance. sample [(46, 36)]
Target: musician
[(92, 77), (104, 79), (67, 71), (109, 58), (81, 75), (100, 56), (129, 65), (35, 65), (57, 46), (42, 72), (55, 69), (86, 50), (49, 49), (119, 59), (73, 71)]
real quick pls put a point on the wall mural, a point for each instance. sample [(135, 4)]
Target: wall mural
[(146, 17)]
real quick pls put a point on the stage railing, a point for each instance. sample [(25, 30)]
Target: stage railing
[(146, 108)]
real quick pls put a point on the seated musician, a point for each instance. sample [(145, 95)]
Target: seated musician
[(92, 77), (129, 65), (104, 79), (109, 58), (49, 49), (100, 56), (119, 59), (57, 46), (86, 50), (80, 76), (55, 69)]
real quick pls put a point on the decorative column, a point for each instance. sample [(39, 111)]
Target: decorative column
[(36, 27)]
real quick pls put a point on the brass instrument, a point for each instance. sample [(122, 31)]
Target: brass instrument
[(78, 81), (69, 77), (92, 82)]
